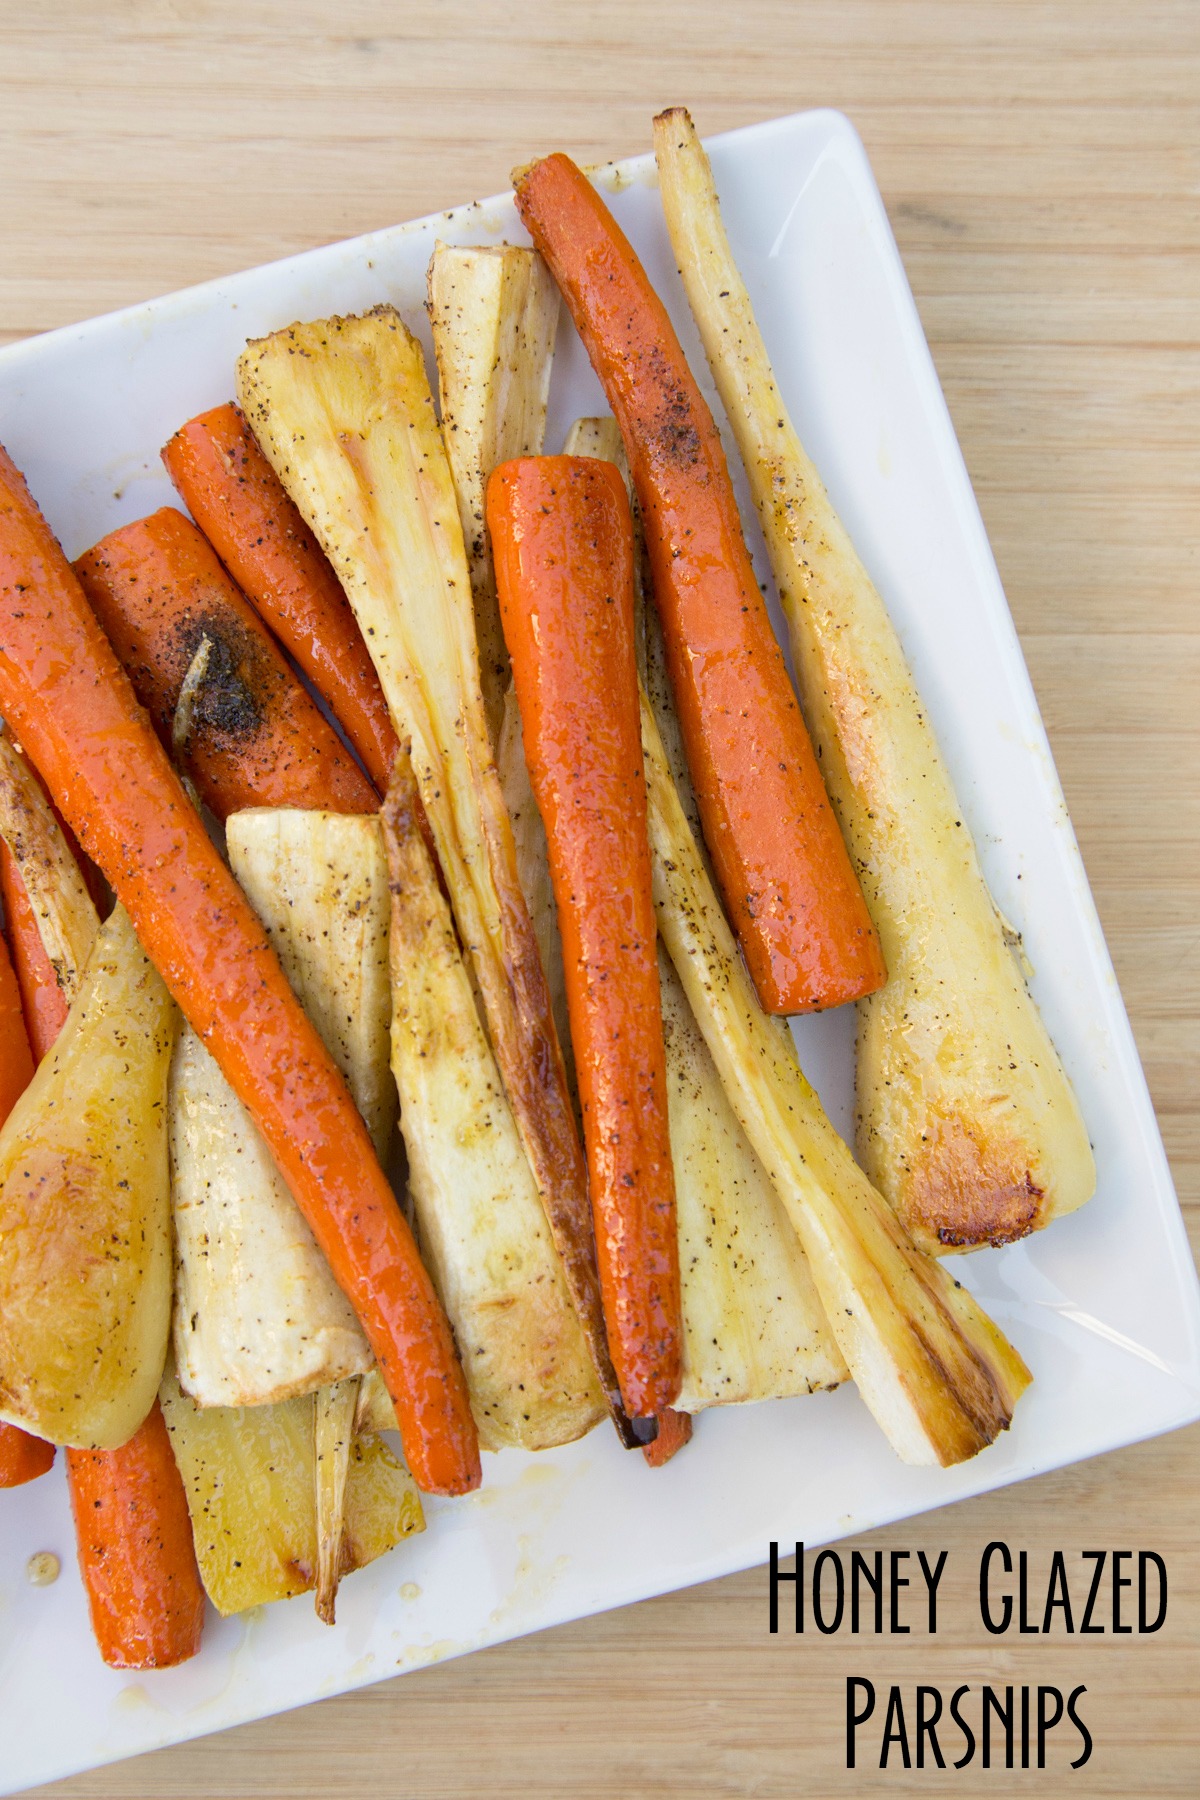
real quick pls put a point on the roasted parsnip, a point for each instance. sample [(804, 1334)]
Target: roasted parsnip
[(318, 882), (251, 1480), (966, 1120), (342, 408), (85, 1219), (480, 1222), (494, 313), (67, 920), (939, 1377), (258, 1317), (753, 1327)]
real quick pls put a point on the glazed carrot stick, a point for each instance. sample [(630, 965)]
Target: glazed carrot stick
[(256, 739), (136, 1552), (16, 1058), (45, 1006), (562, 544), (785, 875), (67, 699), (22, 1457), (246, 514), (674, 1431)]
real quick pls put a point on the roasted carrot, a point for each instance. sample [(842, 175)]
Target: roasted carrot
[(22, 1457), (784, 871), (253, 737), (246, 514), (16, 1058), (562, 543), (67, 698), (674, 1431), (135, 1550)]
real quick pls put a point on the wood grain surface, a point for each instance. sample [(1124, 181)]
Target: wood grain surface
[(1041, 166)]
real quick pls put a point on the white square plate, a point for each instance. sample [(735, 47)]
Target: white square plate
[(1104, 1306)]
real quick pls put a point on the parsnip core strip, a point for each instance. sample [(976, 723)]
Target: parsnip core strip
[(937, 1374), (258, 1317), (343, 410), (967, 1122), (494, 313)]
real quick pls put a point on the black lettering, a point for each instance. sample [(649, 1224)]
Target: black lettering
[(1046, 1725), (778, 1576), (855, 1719), (823, 1561), (1024, 1727), (1098, 1557), (927, 1726), (932, 1578), (1144, 1557), (894, 1730), (898, 1581), (1057, 1594), (1120, 1581), (985, 1611), (1004, 1715), (1080, 1727), (968, 1734), (873, 1578), (1024, 1627)]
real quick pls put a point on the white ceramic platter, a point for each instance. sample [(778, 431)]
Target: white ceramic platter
[(1104, 1306)]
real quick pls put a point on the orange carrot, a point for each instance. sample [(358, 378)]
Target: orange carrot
[(22, 1457), (674, 1431), (256, 738), (68, 700), (135, 1550), (562, 541), (248, 517), (786, 877), (44, 1004), (16, 1058)]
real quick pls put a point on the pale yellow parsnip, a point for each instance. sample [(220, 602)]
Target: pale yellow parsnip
[(480, 1222), (966, 1120), (494, 311), (938, 1376), (85, 1221), (250, 1475)]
